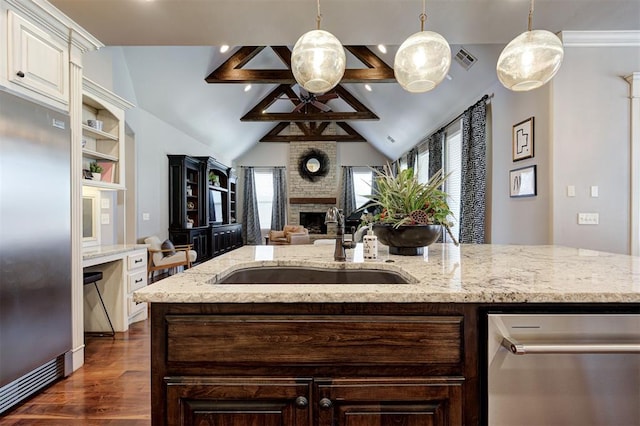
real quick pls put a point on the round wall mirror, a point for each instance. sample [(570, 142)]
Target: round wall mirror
[(313, 165)]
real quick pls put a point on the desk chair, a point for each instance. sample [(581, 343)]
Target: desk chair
[(93, 278)]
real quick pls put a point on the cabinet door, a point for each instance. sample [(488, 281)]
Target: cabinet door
[(389, 402), (37, 60), (238, 401)]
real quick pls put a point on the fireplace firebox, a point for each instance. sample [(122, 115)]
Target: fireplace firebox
[(314, 222)]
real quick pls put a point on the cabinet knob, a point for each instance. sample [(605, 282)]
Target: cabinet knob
[(325, 403), (20, 74), (302, 402)]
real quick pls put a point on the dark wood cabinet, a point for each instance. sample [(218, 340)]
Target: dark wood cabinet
[(238, 401), (313, 365), (202, 205)]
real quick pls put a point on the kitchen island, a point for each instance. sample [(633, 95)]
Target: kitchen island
[(321, 354)]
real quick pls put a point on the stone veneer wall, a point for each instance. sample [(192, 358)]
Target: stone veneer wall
[(301, 188)]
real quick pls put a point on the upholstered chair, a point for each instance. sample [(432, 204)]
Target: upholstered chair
[(164, 255), (290, 234)]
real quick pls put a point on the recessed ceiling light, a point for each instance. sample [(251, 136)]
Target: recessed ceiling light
[(368, 87), (382, 48), (224, 48), (247, 87)]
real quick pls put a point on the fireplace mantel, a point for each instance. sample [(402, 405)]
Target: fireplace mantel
[(312, 200)]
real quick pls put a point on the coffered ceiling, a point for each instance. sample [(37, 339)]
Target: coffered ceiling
[(171, 46)]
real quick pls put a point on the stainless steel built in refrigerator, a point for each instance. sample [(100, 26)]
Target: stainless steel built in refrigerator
[(35, 247)]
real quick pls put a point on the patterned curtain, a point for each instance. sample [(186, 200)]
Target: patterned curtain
[(250, 218), (374, 181), (279, 209), (347, 194), (474, 174), (436, 142), (412, 155)]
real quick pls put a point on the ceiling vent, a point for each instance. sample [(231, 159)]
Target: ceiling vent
[(465, 59)]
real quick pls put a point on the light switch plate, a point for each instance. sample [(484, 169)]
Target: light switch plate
[(588, 218), (571, 191), (104, 219), (146, 216), (104, 203), (594, 191)]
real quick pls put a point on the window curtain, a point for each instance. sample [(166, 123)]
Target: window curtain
[(279, 206), (374, 180), (250, 218), (435, 142), (347, 194), (473, 174), (411, 159)]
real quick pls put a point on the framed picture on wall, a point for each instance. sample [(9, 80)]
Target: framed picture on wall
[(523, 140), (522, 182)]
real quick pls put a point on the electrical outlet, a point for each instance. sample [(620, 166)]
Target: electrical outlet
[(594, 191), (104, 219), (104, 203), (588, 218), (571, 191)]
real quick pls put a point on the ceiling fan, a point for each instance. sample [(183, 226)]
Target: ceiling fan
[(305, 98)]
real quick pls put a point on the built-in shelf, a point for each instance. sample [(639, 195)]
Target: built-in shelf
[(102, 185), (98, 134), (218, 188), (98, 155)]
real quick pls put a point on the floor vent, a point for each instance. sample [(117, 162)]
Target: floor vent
[(30, 383), (465, 59)]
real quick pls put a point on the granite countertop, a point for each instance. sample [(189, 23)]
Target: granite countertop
[(466, 274), (102, 251)]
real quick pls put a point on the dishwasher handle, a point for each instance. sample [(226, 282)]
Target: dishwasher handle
[(523, 348)]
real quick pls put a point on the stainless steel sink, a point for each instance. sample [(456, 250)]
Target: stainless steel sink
[(301, 275)]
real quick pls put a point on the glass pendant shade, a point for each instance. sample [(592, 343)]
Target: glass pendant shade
[(530, 60), (318, 61), (422, 61)]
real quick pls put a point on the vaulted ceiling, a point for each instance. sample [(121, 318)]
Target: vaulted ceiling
[(172, 46)]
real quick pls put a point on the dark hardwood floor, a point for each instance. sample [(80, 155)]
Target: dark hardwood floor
[(112, 388)]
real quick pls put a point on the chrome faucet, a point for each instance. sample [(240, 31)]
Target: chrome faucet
[(335, 216)]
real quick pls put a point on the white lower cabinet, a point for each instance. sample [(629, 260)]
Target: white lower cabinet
[(136, 278)]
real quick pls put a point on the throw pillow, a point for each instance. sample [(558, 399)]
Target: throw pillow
[(168, 245)]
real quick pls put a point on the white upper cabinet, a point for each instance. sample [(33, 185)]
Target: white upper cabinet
[(37, 61)]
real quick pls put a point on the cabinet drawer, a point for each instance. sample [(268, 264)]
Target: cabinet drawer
[(315, 340), (137, 280), (133, 307), (138, 260)]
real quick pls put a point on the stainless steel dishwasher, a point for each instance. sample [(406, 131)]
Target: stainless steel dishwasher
[(563, 369)]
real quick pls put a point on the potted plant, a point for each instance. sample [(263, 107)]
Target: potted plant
[(411, 214), (96, 170)]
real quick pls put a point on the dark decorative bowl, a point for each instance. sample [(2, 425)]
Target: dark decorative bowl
[(407, 240)]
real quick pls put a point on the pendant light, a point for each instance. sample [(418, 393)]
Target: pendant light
[(530, 60), (423, 60), (318, 60)]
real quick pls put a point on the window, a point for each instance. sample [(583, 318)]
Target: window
[(264, 195), (453, 184), (362, 185), (423, 167)]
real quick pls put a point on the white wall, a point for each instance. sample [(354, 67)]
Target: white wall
[(519, 220), (591, 145)]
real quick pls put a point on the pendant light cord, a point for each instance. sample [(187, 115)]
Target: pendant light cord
[(318, 17), (530, 14), (423, 15)]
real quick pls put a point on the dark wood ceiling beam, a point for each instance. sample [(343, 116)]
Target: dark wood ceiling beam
[(313, 136), (231, 70), (313, 116)]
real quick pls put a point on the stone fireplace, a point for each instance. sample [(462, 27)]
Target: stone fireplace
[(314, 222), (312, 199)]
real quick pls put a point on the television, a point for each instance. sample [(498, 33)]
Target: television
[(215, 207)]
